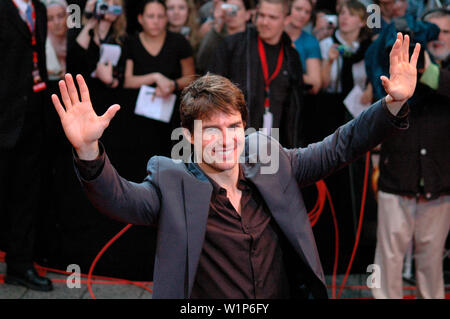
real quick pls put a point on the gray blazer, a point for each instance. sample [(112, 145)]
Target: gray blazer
[(177, 202)]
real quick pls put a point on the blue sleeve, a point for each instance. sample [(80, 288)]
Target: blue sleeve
[(313, 48), (308, 48)]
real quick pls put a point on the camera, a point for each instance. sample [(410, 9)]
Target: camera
[(185, 31), (231, 9), (332, 20), (101, 8), (344, 50)]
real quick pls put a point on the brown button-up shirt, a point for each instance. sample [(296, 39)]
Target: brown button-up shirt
[(241, 256)]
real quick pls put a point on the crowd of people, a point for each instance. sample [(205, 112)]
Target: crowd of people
[(296, 63)]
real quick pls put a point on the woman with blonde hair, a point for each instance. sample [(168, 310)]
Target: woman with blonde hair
[(88, 54), (183, 18), (102, 25)]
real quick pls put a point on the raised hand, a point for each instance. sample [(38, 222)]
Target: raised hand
[(82, 126), (402, 79)]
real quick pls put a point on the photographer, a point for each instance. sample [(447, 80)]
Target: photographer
[(230, 17), (324, 24), (414, 182), (105, 23), (343, 65)]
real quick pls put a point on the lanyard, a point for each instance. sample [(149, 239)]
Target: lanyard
[(32, 29), (267, 79), (38, 83)]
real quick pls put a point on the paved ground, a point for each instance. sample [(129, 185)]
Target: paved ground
[(105, 289), (102, 289)]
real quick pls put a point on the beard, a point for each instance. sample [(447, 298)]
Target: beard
[(441, 53)]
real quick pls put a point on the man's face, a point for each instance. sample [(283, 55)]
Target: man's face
[(270, 21), (440, 48), (239, 20), (222, 140), (387, 8), (399, 8)]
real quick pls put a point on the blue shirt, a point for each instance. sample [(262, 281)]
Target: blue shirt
[(308, 48)]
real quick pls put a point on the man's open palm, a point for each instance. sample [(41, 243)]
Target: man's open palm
[(402, 71), (81, 124)]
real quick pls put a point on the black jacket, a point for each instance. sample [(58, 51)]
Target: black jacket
[(417, 161), (237, 58), (16, 66)]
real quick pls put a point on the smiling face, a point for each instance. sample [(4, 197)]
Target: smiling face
[(222, 140), (270, 21), (440, 48), (300, 13), (154, 19), (177, 12)]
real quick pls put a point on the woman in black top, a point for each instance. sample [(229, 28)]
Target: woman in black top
[(156, 56), (162, 59)]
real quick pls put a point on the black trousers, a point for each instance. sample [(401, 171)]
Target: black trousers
[(20, 186)]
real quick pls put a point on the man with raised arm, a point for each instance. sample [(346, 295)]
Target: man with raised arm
[(225, 228)]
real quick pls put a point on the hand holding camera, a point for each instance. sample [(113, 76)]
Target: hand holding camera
[(230, 9), (97, 9)]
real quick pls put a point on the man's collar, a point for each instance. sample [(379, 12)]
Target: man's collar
[(355, 44), (198, 173)]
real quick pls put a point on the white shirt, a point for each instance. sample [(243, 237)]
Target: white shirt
[(23, 5), (358, 69)]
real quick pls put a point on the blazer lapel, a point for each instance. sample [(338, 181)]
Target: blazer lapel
[(197, 196), (17, 20)]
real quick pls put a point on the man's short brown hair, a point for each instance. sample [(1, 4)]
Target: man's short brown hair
[(210, 94), (285, 3)]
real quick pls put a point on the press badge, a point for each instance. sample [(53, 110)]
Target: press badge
[(38, 84), (267, 122)]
